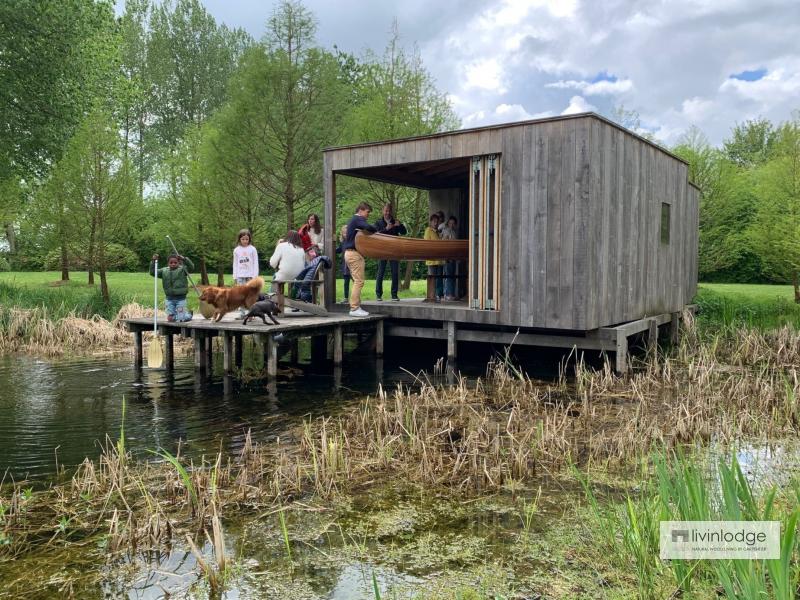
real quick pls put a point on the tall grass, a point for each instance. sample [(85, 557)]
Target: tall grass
[(63, 301), (681, 491)]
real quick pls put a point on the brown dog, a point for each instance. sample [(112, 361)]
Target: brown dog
[(227, 299)]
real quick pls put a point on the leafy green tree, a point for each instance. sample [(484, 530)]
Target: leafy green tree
[(727, 208), (751, 143), (286, 105), (189, 59), (99, 188), (776, 228), (53, 58), (397, 97)]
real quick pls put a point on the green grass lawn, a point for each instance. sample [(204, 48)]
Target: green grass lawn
[(734, 304), (28, 289), (721, 304)]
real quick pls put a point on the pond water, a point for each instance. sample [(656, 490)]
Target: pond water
[(58, 412)]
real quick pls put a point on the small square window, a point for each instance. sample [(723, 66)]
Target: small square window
[(665, 208)]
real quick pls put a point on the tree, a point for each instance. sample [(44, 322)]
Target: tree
[(51, 56), (397, 97), (189, 59), (99, 188), (751, 143), (776, 229), (286, 105), (727, 207)]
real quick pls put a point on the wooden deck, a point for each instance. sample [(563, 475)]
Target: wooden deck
[(292, 326)]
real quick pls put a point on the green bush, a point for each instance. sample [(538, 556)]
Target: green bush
[(4, 264), (119, 257)]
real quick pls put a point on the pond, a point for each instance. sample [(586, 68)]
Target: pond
[(57, 412)]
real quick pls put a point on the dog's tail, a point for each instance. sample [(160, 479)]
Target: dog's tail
[(255, 284)]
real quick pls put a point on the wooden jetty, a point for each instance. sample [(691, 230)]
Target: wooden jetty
[(292, 326)]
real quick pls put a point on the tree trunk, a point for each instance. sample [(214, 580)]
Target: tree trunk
[(64, 262), (796, 285), (203, 272), (11, 236), (104, 287), (90, 253), (406, 284), (220, 274)]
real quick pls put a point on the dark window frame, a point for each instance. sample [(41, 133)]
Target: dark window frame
[(666, 222)]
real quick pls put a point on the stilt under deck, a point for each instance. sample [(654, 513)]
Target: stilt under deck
[(292, 326), (611, 340)]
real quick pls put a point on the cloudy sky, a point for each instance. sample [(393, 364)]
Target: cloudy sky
[(709, 63)]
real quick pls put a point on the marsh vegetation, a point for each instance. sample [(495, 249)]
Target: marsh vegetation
[(503, 484)]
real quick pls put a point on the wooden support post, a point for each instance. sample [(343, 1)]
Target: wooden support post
[(209, 364), (272, 357), (675, 328), (239, 342), (452, 346), (621, 358), (227, 352), (430, 292), (199, 350), (169, 349), (294, 351), (652, 335), (379, 339), (338, 345), (137, 348)]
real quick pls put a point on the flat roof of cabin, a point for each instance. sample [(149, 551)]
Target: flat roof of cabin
[(508, 125)]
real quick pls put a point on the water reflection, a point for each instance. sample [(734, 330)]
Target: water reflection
[(61, 411)]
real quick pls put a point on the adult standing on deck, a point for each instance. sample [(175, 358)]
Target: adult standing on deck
[(355, 262), (388, 225)]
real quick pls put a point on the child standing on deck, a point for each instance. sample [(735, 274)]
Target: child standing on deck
[(245, 260), (175, 279)]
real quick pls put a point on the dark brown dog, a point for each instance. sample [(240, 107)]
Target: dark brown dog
[(227, 299), (262, 309)]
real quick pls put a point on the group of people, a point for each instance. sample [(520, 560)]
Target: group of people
[(354, 264), (299, 252)]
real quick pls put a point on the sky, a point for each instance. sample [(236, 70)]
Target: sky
[(678, 63)]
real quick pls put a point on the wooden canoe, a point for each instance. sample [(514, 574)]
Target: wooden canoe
[(393, 247)]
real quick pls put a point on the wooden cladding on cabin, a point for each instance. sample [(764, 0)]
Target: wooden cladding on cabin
[(579, 223)]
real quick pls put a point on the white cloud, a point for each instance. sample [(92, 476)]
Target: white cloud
[(597, 88), (674, 59), (578, 104), (502, 113), (485, 74)]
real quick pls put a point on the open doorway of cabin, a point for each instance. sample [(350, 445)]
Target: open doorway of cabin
[(467, 188)]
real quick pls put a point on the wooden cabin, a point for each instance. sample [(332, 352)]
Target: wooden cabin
[(581, 232)]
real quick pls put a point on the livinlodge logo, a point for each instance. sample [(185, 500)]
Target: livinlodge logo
[(720, 539)]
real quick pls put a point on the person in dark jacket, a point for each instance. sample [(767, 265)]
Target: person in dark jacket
[(390, 226), (354, 260), (175, 279)]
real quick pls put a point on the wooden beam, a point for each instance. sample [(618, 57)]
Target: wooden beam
[(652, 335), (137, 347), (379, 339), (675, 328), (452, 341), (227, 352), (270, 355), (338, 345), (621, 355)]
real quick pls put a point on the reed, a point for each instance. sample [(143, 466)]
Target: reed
[(680, 491)]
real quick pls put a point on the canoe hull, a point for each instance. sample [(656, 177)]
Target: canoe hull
[(393, 247)]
